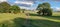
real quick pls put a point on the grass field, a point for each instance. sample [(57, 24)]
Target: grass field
[(19, 20)]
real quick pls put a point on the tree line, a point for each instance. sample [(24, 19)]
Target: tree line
[(43, 9), (7, 8)]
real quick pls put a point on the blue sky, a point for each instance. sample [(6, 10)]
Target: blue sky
[(32, 4)]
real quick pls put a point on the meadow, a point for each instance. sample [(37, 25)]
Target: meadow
[(21, 20)]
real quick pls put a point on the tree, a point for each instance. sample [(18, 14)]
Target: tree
[(15, 9), (45, 9), (39, 8), (4, 7)]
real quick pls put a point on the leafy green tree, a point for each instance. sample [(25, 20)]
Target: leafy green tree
[(4, 7), (45, 9), (15, 9), (39, 8)]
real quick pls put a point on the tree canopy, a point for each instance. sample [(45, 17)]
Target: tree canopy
[(15, 9), (44, 8), (7, 8), (4, 6)]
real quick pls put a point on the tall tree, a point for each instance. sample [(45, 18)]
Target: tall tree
[(44, 8), (15, 9), (5, 6)]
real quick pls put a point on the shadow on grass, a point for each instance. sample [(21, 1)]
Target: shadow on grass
[(31, 14), (21, 22), (52, 17)]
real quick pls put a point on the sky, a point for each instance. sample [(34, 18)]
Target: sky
[(32, 4)]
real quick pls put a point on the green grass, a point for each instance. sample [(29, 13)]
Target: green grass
[(22, 22), (55, 17), (18, 20)]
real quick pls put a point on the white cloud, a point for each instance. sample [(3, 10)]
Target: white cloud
[(3, 0), (23, 7), (24, 2), (58, 8)]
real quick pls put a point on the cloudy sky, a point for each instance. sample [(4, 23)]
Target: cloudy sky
[(32, 4)]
